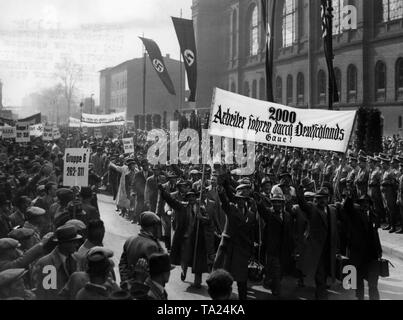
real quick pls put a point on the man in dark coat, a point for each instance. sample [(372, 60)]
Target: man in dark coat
[(279, 241), (237, 242), (364, 244), (141, 246), (188, 244), (61, 261), (319, 258), (86, 196), (151, 191), (138, 186)]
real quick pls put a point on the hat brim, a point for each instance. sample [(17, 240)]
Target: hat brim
[(77, 237), (321, 196)]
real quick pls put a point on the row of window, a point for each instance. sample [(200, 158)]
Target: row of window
[(352, 85), (389, 10)]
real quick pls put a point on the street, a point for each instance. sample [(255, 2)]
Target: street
[(119, 229)]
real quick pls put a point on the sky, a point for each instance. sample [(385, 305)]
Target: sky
[(35, 35)]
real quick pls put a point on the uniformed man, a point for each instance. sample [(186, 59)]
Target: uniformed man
[(36, 220), (361, 180), (351, 177), (400, 195), (374, 189), (389, 187)]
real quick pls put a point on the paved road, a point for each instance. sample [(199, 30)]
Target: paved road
[(119, 229)]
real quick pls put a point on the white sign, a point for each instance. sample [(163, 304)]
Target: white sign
[(243, 118), (36, 130), (47, 133), (9, 133), (56, 133), (128, 145), (98, 133), (75, 171), (22, 133)]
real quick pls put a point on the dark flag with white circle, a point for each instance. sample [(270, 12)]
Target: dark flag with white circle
[(186, 36), (158, 63)]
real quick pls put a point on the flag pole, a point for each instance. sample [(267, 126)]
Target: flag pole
[(330, 39), (144, 82), (180, 74)]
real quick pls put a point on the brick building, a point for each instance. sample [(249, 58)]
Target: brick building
[(368, 47), (121, 88)]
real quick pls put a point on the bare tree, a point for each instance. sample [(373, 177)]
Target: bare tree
[(69, 73)]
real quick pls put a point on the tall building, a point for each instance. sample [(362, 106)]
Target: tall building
[(1, 95), (121, 88), (368, 48)]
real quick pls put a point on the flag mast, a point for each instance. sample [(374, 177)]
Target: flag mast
[(144, 82)]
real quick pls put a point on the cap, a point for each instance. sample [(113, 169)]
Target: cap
[(8, 244), (21, 234), (195, 172), (96, 254), (65, 194), (149, 219), (78, 224), (309, 194), (9, 276), (265, 180), (35, 212), (66, 234), (243, 186), (159, 263), (277, 195)]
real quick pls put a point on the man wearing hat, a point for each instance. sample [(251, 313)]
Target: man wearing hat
[(352, 174), (141, 246), (237, 242), (138, 186), (86, 196), (100, 286), (123, 192), (12, 285), (151, 190), (389, 187), (164, 211), (189, 239), (11, 257), (36, 221), (5, 223), (160, 271), (374, 189), (25, 237), (52, 271), (317, 168), (319, 259), (279, 241), (64, 196), (363, 243), (400, 196), (361, 180), (17, 218)]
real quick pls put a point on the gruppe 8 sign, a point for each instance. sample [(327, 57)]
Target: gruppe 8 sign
[(76, 167)]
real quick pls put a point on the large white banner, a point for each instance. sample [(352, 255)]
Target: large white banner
[(75, 173), (98, 120), (103, 120), (239, 117)]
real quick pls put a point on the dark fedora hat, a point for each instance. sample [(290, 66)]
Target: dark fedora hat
[(66, 234)]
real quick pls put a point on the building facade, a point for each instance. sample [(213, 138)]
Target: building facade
[(121, 88), (368, 48)]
